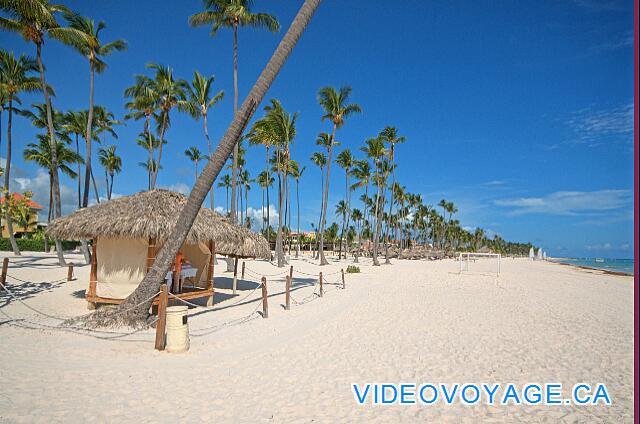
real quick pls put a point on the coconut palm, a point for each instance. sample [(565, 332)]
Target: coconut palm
[(75, 123), (264, 180), (337, 108), (94, 50), (199, 101), (362, 172), (390, 135), (112, 164), (342, 210), (150, 143), (345, 160), (320, 160), (15, 79), (296, 172), (233, 14), (34, 19), (40, 154), (374, 149), (133, 311), (195, 155), (225, 182)]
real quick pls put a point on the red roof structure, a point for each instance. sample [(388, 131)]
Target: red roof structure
[(18, 196)]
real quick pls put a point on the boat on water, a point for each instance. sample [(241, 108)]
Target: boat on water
[(599, 260)]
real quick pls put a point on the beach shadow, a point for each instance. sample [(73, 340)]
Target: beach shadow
[(79, 294), (25, 290), (227, 284)]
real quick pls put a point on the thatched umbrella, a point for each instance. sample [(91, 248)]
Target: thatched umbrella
[(153, 214)]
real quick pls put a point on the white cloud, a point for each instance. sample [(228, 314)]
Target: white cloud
[(570, 202), (255, 214), (607, 247), (593, 127), (178, 187)]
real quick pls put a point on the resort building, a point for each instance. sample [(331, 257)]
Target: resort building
[(28, 223)]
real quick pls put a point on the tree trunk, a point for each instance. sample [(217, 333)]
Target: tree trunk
[(88, 136), (323, 221), (55, 180), (206, 136), (317, 255), (150, 168), (95, 187), (125, 313), (156, 167), (7, 184), (298, 211), (234, 168), (279, 244), (386, 233)]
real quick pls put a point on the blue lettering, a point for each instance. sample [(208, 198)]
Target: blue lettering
[(601, 392), (449, 397), (491, 391), (532, 398), (576, 393), (511, 394), (385, 389), (464, 394), (423, 399), (553, 397), (406, 391), (360, 398)]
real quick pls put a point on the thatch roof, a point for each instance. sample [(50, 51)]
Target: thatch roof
[(154, 214)]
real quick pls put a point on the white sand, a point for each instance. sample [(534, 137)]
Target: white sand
[(415, 321)]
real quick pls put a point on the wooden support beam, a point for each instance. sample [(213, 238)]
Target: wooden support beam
[(70, 272), (265, 304), (321, 289), (235, 274), (210, 269), (287, 296), (161, 324), (93, 275), (5, 267), (177, 269), (151, 253)]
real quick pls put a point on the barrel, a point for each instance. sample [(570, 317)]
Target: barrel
[(177, 329)]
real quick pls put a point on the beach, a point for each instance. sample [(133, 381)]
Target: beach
[(411, 322)]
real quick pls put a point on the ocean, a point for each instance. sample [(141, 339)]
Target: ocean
[(607, 264)]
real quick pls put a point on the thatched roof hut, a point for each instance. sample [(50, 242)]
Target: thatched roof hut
[(153, 214), (128, 231)]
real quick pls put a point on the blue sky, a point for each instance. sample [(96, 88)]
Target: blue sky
[(521, 113)]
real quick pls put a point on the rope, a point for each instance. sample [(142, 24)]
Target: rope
[(25, 281), (213, 308)]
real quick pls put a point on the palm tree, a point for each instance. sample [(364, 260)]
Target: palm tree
[(40, 154), (197, 105), (320, 160), (264, 180), (390, 135), (225, 182), (337, 108), (112, 164), (150, 143), (296, 172), (194, 154), (76, 123), (143, 105), (345, 161), (134, 309), (94, 50), (375, 150), (362, 172), (34, 19), (15, 79), (341, 211), (233, 14)]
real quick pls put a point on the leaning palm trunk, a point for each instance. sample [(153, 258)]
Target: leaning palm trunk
[(7, 180), (141, 298), (55, 180)]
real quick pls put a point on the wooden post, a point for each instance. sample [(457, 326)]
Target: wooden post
[(265, 304), (161, 324), (212, 261), (70, 272), (343, 285), (151, 253), (5, 266), (235, 274), (291, 272), (93, 275), (287, 296), (177, 274), (242, 278), (321, 290)]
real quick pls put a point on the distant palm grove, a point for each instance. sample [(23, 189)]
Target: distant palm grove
[(376, 213)]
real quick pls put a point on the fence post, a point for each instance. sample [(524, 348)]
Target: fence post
[(5, 266), (161, 324), (288, 294), (291, 272), (321, 290), (70, 272), (265, 304), (343, 285), (242, 277)]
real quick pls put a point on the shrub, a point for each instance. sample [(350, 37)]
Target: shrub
[(34, 245), (352, 269)]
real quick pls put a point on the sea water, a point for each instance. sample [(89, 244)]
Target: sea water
[(607, 264)]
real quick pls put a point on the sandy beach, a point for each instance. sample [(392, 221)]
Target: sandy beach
[(414, 321)]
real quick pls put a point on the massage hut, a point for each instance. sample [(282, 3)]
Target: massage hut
[(126, 233)]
